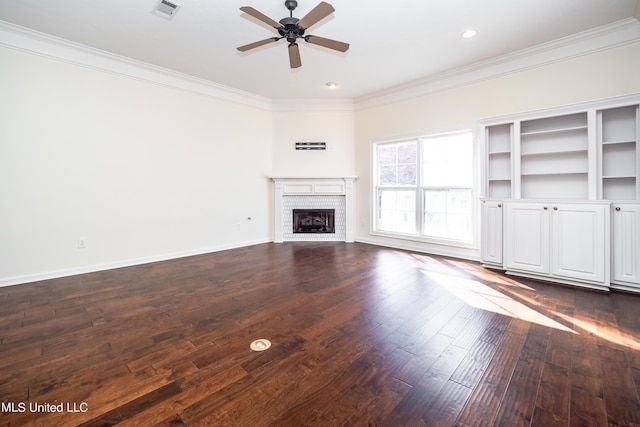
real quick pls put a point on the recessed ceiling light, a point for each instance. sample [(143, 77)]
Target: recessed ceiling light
[(331, 85), (469, 34)]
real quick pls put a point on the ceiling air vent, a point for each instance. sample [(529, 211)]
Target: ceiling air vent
[(166, 9)]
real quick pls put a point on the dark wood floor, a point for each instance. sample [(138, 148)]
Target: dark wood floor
[(362, 336)]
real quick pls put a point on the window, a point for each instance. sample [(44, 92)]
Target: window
[(424, 187)]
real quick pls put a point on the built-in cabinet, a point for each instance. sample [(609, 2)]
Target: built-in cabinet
[(492, 240), (561, 194), (563, 242), (626, 246)]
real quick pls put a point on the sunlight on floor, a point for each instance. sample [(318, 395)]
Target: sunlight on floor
[(611, 334), (481, 296)]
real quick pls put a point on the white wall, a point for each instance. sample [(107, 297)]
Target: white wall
[(143, 172), (336, 128), (603, 74)]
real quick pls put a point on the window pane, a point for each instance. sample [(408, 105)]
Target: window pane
[(435, 225), (435, 200), (447, 161), (397, 164), (387, 155), (407, 153), (447, 214), (388, 175), (407, 175), (397, 211), (459, 201), (460, 159)]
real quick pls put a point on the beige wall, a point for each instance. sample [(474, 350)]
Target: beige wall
[(143, 172), (334, 127), (603, 74), (146, 172)]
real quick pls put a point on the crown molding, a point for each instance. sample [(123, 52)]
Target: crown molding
[(606, 37), (594, 104), (25, 40)]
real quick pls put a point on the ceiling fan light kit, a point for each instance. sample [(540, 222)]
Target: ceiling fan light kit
[(292, 29)]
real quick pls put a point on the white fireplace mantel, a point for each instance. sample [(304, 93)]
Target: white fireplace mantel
[(313, 186)]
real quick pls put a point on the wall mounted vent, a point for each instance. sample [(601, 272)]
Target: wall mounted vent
[(166, 9), (311, 145)]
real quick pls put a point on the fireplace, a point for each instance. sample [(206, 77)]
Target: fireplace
[(314, 220), (313, 209)]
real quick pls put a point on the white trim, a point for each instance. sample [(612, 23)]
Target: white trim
[(33, 42), (425, 248), (597, 104), (587, 42), (609, 36), (66, 272)]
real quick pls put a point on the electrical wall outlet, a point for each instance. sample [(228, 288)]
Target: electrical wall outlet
[(82, 243)]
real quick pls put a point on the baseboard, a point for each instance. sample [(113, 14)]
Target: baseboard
[(468, 254), (55, 274)]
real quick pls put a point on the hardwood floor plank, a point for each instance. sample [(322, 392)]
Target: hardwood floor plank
[(427, 390), (444, 410), (486, 399), (620, 393), (516, 408), (361, 336)]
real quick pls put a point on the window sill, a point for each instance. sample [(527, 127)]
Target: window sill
[(464, 244)]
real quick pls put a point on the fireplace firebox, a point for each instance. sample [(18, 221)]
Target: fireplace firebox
[(314, 221)]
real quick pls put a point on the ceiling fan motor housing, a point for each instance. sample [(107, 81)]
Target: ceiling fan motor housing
[(290, 29)]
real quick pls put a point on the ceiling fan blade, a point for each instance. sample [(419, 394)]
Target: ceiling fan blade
[(331, 44), (261, 16), (294, 56), (253, 45), (319, 12)]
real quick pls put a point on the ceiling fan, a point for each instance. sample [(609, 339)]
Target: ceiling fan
[(292, 29)]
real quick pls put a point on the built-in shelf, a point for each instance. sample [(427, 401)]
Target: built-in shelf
[(591, 154), (498, 163), (618, 153), (562, 186), (554, 131)]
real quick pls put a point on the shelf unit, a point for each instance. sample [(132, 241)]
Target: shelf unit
[(618, 153), (554, 157), (581, 164), (498, 165)]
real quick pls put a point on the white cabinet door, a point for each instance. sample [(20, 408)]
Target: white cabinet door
[(527, 237), (492, 232), (578, 241), (626, 243)]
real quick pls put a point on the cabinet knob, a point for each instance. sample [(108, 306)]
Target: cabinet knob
[(555, 208), (618, 208), (500, 205), (546, 207)]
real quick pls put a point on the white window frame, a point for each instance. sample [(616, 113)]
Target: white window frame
[(420, 189)]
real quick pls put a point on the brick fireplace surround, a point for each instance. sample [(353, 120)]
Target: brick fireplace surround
[(313, 193)]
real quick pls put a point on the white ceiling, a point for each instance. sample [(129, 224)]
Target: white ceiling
[(392, 43)]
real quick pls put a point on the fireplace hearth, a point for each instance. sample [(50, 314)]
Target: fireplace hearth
[(314, 221)]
